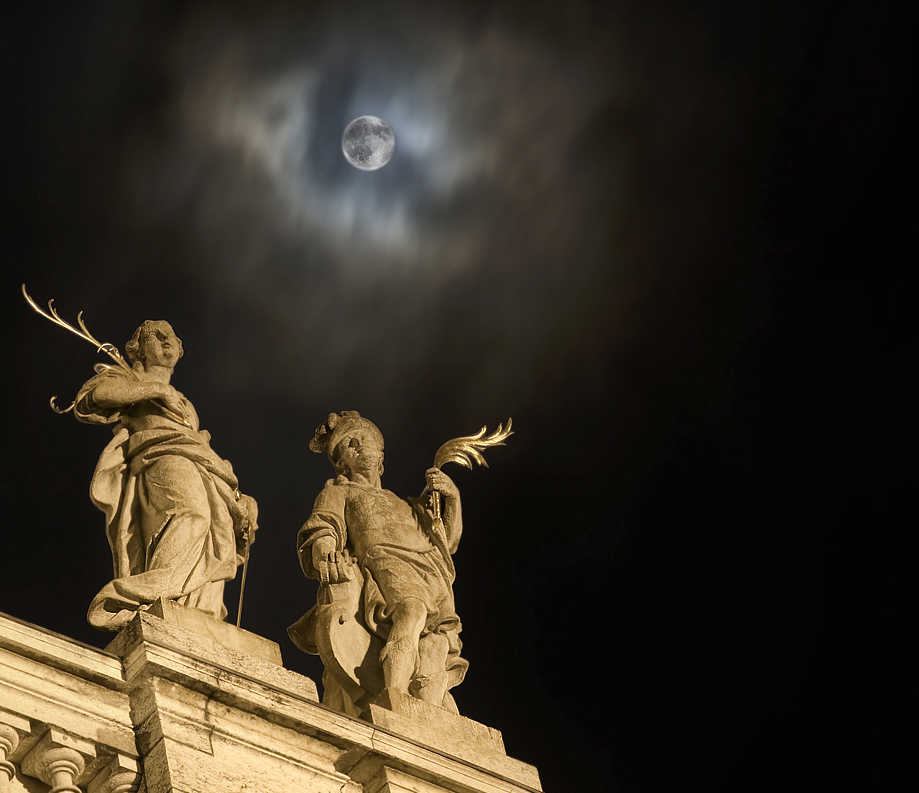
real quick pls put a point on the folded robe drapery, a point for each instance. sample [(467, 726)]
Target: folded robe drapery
[(173, 521)]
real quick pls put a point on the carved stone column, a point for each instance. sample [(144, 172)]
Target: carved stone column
[(9, 740), (57, 760), (12, 728)]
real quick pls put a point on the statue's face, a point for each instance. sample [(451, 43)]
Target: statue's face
[(362, 453), (161, 346)]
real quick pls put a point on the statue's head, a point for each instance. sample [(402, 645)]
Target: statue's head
[(157, 340), (353, 444)]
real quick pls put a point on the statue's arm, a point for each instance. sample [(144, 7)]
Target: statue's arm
[(312, 535), (452, 513), (114, 392), (322, 538)]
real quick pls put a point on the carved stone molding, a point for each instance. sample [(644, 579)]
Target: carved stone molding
[(120, 775), (125, 782)]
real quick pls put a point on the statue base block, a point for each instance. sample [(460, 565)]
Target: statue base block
[(148, 635), (192, 631), (223, 633), (447, 732)]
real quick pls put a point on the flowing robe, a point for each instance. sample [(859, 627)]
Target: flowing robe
[(174, 522), (400, 555)]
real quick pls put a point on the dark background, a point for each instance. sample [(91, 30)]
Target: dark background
[(674, 241)]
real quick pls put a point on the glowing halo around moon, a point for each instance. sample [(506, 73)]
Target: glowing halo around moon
[(368, 143)]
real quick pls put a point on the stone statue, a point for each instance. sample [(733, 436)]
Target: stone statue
[(177, 524), (385, 616)]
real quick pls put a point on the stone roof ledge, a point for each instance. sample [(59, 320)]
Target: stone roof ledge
[(207, 707)]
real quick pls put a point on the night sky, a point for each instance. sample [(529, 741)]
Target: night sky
[(672, 240)]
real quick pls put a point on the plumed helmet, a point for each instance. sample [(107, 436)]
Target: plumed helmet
[(339, 426)]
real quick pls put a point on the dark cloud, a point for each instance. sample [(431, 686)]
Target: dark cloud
[(488, 184)]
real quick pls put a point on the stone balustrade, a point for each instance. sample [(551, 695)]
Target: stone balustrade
[(64, 762), (178, 703), (64, 715)]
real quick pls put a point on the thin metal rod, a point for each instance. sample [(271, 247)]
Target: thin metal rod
[(242, 585)]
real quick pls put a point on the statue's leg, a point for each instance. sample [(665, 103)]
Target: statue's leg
[(430, 683), (400, 655)]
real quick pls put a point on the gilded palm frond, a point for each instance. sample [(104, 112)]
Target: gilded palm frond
[(101, 346), (83, 332), (468, 448)]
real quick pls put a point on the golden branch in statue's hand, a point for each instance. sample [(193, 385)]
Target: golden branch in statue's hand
[(460, 450), (466, 449), (101, 346)]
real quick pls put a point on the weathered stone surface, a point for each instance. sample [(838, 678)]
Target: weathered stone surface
[(47, 679), (226, 726), (12, 729), (59, 652), (177, 523), (203, 743), (384, 616), (148, 638), (389, 780), (59, 759), (447, 732), (225, 634), (120, 774), (69, 707), (433, 725), (199, 717)]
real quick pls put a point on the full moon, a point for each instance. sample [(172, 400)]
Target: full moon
[(368, 143)]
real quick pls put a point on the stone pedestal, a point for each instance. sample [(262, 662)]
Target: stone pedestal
[(194, 711), (228, 636)]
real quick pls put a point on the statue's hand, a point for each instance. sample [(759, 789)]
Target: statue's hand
[(328, 561), (439, 482), (171, 398), (250, 507)]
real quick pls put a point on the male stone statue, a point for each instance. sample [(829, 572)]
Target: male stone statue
[(385, 616), (177, 523)]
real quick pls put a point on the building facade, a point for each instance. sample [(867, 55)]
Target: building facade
[(181, 702)]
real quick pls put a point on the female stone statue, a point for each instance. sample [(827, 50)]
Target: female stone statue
[(177, 524)]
